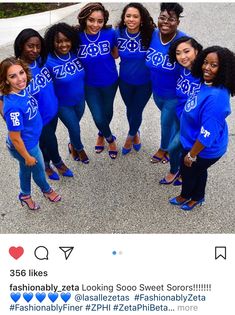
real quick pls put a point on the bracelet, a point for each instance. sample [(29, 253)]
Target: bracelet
[(191, 158)]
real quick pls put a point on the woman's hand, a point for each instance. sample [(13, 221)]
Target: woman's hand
[(187, 161), (30, 161)]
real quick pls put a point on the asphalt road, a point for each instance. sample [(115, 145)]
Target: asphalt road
[(123, 196)]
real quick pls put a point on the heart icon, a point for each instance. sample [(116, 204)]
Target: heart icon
[(40, 296), (15, 296), (28, 296), (53, 296), (16, 252), (65, 296)]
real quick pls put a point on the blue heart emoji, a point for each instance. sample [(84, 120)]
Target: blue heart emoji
[(53, 296), (40, 296), (28, 296), (15, 296), (65, 296)]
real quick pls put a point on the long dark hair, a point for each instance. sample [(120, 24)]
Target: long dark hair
[(22, 38), (226, 72), (147, 25)]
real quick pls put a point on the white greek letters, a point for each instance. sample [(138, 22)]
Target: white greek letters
[(69, 68), (187, 87), (102, 48), (39, 81), (191, 103), (130, 44), (158, 59), (33, 107)]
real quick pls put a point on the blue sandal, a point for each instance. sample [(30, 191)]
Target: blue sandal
[(112, 153)]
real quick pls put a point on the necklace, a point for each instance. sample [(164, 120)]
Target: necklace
[(131, 37), (208, 83), (168, 41), (69, 56), (33, 64), (92, 41)]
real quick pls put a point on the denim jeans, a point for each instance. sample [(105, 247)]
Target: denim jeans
[(25, 172), (175, 149), (70, 117), (135, 98), (100, 102), (48, 142), (195, 177), (168, 119)]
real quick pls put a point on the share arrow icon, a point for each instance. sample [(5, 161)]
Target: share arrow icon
[(67, 250)]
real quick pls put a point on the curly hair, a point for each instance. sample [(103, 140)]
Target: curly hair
[(147, 25), (52, 33), (171, 6), (87, 10), (5, 88), (226, 72), (23, 37), (184, 39)]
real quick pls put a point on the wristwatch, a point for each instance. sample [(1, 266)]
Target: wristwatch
[(191, 158)]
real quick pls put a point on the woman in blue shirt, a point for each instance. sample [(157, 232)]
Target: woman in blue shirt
[(164, 74), (203, 126), (134, 34), (24, 124), (96, 53), (30, 47), (184, 51), (68, 78)]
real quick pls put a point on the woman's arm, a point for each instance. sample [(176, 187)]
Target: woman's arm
[(115, 53), (196, 149), (20, 148)]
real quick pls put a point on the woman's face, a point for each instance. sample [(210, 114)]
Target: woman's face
[(94, 22), (16, 78), (132, 20), (62, 44), (31, 49), (186, 54), (168, 23), (210, 67)]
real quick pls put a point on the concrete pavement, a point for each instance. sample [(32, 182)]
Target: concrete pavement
[(123, 196)]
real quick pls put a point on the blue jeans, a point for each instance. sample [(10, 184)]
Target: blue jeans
[(175, 150), (135, 98), (48, 142), (70, 117), (100, 102), (168, 119), (25, 172)]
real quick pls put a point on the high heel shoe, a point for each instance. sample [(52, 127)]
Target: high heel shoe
[(73, 152), (173, 201), (99, 148), (51, 173), (64, 170), (23, 200), (137, 146), (186, 206), (112, 153), (51, 198), (128, 141), (82, 156), (163, 181)]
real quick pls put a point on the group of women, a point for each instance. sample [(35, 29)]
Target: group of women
[(53, 77)]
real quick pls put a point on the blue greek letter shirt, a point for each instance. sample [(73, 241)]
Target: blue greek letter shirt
[(186, 86), (164, 74), (133, 69), (68, 77), (41, 87), (21, 114), (204, 119), (95, 55)]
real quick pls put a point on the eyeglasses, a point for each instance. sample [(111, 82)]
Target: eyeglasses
[(165, 19)]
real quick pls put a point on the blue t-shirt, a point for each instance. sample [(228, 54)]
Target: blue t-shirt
[(21, 114), (95, 55), (186, 86), (68, 77), (133, 69), (163, 73), (41, 87), (204, 119)]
